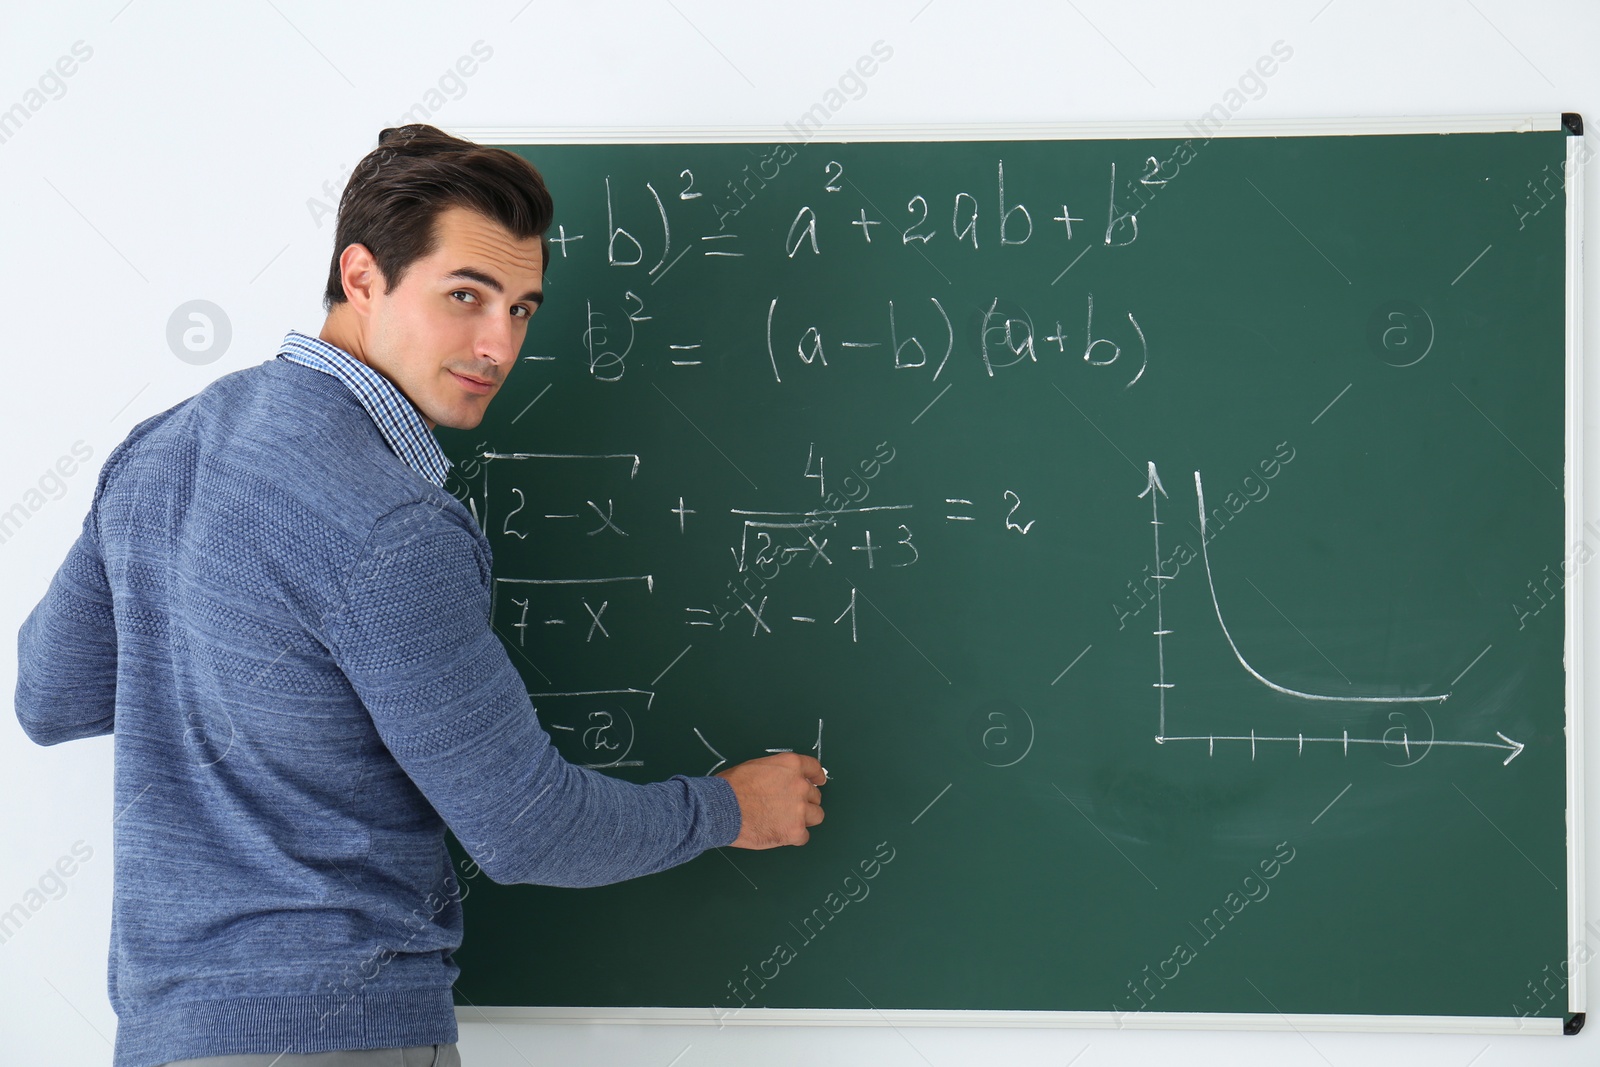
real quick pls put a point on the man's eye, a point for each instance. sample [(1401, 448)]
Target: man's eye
[(463, 292), (527, 312)]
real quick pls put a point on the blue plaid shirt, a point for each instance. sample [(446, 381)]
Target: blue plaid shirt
[(397, 420)]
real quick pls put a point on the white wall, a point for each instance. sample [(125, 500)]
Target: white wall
[(178, 163)]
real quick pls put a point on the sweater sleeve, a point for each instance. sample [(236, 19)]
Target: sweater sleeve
[(67, 651), (415, 641)]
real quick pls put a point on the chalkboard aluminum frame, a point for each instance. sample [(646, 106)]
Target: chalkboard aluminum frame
[(1576, 930), (1573, 644)]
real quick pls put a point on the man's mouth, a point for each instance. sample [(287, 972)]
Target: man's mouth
[(472, 384)]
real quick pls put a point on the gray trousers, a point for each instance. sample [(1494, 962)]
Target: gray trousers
[(416, 1056)]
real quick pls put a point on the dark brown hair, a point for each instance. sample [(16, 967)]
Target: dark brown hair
[(397, 191)]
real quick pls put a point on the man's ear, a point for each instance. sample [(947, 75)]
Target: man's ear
[(360, 275)]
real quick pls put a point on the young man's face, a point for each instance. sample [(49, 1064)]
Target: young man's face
[(447, 335)]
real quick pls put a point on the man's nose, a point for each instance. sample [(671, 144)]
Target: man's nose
[(498, 344)]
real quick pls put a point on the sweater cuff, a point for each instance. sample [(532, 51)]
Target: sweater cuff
[(719, 807)]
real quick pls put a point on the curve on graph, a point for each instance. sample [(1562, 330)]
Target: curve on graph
[(1205, 556)]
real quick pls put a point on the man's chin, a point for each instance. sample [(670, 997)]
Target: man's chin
[(468, 420), (465, 417)]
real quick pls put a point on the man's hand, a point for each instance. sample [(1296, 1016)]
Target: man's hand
[(779, 799)]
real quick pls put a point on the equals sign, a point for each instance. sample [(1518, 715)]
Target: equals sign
[(685, 348), (721, 237), (958, 518)]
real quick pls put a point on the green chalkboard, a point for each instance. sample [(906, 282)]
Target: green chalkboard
[(851, 446)]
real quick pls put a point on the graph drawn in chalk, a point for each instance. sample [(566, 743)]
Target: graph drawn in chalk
[(1397, 738)]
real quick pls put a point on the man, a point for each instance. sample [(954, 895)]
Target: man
[(283, 618)]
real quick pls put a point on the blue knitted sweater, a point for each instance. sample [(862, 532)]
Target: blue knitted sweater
[(287, 631)]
